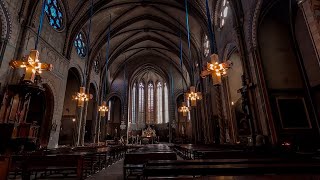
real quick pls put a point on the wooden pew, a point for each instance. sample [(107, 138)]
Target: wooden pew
[(231, 169), (4, 167), (134, 162)]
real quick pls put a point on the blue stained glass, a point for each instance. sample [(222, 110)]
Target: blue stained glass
[(80, 45), (54, 13), (46, 8)]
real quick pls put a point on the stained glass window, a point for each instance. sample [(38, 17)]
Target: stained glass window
[(141, 102), (166, 103), (223, 12), (133, 104), (54, 13), (80, 45), (109, 112), (206, 46), (96, 66), (159, 103), (150, 103)]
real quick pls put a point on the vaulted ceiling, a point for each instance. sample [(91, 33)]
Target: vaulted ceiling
[(142, 32)]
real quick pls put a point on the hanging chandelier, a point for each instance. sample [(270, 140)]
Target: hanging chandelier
[(32, 66), (184, 109), (216, 70), (82, 97), (193, 96), (103, 109)]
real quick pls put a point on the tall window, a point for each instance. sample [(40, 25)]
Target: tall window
[(109, 112), (80, 45), (141, 102), (223, 12), (206, 46), (133, 104), (166, 103), (54, 13), (150, 104), (159, 103)]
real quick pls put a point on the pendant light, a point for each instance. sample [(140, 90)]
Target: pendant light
[(82, 96), (191, 95), (31, 63), (104, 108)]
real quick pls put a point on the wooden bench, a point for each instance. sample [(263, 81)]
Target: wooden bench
[(231, 169), (134, 162), (4, 167)]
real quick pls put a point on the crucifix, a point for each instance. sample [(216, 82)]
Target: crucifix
[(32, 66), (246, 86)]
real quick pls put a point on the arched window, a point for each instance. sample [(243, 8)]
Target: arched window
[(166, 103), (133, 104), (109, 112), (54, 13), (223, 12), (141, 102), (159, 103), (80, 45), (150, 104), (206, 46)]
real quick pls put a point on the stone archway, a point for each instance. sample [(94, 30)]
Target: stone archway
[(40, 112), (91, 116), (69, 115)]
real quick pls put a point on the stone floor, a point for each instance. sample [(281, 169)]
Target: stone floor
[(113, 172)]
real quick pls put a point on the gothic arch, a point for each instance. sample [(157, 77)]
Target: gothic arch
[(6, 27)]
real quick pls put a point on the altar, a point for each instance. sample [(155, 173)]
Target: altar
[(148, 135)]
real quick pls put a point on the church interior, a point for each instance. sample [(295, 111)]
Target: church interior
[(159, 89)]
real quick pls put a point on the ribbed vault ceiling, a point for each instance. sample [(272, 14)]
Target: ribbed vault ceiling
[(142, 31)]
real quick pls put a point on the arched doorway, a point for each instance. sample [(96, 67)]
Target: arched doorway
[(91, 116), (285, 75), (40, 113), (114, 117), (68, 131)]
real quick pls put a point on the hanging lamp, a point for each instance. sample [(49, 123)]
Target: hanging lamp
[(104, 108), (191, 95), (214, 68), (82, 96), (183, 108), (31, 63)]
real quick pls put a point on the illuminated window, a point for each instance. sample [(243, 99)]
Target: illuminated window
[(141, 102), (133, 104), (54, 14), (159, 103), (206, 46), (109, 112), (150, 104), (166, 103), (80, 45), (223, 13)]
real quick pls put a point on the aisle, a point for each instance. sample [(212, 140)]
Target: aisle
[(113, 172)]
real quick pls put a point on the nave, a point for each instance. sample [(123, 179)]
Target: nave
[(153, 89)]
